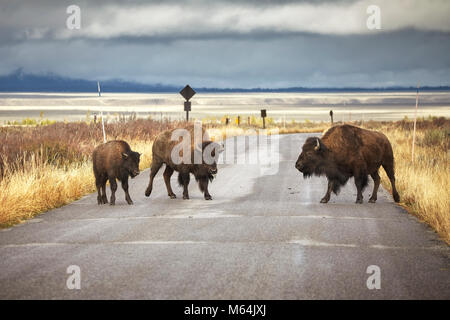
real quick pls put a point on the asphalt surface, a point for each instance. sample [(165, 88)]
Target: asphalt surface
[(263, 236)]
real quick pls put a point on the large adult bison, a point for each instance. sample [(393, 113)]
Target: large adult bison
[(346, 151), (114, 160), (200, 159)]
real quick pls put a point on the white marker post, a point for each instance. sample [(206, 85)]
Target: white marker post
[(415, 121), (101, 112)]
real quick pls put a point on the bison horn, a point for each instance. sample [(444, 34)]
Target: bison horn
[(317, 147), (124, 155)]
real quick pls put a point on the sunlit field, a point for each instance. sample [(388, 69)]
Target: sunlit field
[(281, 107)]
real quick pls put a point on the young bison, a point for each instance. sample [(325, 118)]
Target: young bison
[(203, 171), (346, 151), (114, 160)]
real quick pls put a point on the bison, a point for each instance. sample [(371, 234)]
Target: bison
[(114, 160), (346, 151), (164, 152)]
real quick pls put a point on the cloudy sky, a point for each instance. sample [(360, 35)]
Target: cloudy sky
[(252, 43)]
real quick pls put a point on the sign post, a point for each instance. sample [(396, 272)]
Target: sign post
[(263, 116), (101, 112), (415, 121), (187, 93)]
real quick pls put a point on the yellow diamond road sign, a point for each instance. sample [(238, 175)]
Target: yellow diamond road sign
[(187, 92)]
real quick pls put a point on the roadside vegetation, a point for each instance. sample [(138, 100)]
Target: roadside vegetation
[(424, 183), (47, 166)]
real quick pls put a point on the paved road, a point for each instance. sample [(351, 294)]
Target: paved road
[(262, 237)]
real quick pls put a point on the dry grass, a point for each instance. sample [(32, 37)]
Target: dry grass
[(220, 131), (40, 187), (40, 170), (425, 183)]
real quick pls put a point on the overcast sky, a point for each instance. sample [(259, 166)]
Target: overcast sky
[(253, 43)]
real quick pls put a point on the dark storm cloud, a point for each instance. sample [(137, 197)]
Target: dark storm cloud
[(29, 20), (230, 43)]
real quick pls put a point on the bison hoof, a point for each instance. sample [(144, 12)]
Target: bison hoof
[(371, 200), (147, 192), (396, 197), (324, 200), (208, 197), (359, 201), (130, 202), (185, 197), (172, 196)]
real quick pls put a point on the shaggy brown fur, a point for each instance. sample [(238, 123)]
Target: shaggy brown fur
[(203, 172), (114, 160), (346, 151)]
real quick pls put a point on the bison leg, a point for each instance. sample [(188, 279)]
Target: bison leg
[(125, 188), (101, 188), (360, 182), (390, 173), (156, 165), (376, 183), (184, 178), (100, 183), (204, 187), (113, 183), (99, 197), (327, 196), (104, 198), (167, 174)]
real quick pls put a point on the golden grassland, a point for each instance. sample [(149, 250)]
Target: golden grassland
[(39, 186), (46, 167), (43, 173), (423, 184)]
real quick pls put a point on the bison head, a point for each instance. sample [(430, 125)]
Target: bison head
[(131, 163), (210, 153), (311, 160)]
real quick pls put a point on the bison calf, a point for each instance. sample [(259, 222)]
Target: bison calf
[(114, 160), (347, 151)]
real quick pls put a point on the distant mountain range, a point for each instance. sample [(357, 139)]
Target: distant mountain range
[(19, 81)]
